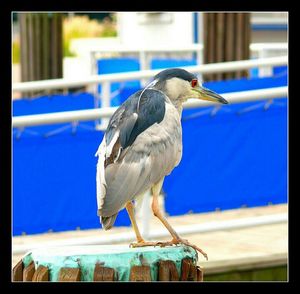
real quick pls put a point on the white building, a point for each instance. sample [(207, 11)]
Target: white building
[(151, 28)]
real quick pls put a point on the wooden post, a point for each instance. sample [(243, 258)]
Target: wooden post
[(67, 274), (18, 271), (28, 272), (120, 266), (41, 46), (188, 270), (229, 44), (140, 273), (226, 38), (199, 274), (41, 274), (167, 271), (102, 273)]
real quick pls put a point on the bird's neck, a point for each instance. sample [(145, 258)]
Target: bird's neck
[(172, 98), (178, 105)]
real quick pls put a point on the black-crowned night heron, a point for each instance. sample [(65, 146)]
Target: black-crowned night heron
[(143, 144)]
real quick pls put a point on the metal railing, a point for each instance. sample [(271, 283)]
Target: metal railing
[(257, 49), (128, 76), (106, 80), (106, 112)]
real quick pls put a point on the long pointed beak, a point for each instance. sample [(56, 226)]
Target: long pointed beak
[(209, 95)]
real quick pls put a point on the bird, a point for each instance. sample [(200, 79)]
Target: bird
[(142, 144)]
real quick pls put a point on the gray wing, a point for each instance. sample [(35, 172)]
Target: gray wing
[(151, 156)]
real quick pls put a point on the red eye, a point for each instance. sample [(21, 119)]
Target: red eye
[(194, 83)]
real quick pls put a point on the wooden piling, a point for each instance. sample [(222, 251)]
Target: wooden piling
[(226, 38), (67, 274), (102, 273), (41, 46), (28, 272), (101, 265)]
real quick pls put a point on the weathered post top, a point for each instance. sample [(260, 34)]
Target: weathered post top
[(109, 263)]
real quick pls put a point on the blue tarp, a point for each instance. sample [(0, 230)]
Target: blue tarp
[(233, 157)]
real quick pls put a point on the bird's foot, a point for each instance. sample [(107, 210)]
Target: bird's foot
[(187, 243), (148, 243), (168, 243)]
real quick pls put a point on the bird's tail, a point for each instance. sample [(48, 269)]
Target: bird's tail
[(108, 222)]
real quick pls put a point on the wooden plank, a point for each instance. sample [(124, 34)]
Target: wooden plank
[(219, 40), (247, 40), (54, 40), (205, 38), (102, 273), (28, 272), (30, 47), (18, 271), (67, 274), (209, 42), (239, 40), (34, 47), (59, 46), (167, 271), (45, 46), (23, 46), (229, 43), (192, 276), (199, 274), (41, 274), (140, 273), (188, 270), (185, 269), (38, 45)]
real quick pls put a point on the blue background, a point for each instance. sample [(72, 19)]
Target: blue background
[(232, 157)]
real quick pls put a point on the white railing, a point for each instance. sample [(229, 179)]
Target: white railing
[(256, 49), (183, 230), (119, 77), (106, 79), (106, 112), (144, 53)]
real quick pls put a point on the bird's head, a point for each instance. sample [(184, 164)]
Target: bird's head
[(180, 85)]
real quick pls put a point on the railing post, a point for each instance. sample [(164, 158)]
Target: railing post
[(146, 214), (264, 71), (105, 102), (143, 65)]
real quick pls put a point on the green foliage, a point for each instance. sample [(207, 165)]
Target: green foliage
[(16, 52), (83, 27)]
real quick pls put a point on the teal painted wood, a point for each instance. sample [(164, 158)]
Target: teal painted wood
[(120, 258)]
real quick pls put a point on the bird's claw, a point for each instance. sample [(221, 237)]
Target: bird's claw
[(187, 243)]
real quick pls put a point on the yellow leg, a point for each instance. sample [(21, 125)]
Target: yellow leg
[(155, 207), (130, 210), (139, 238)]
